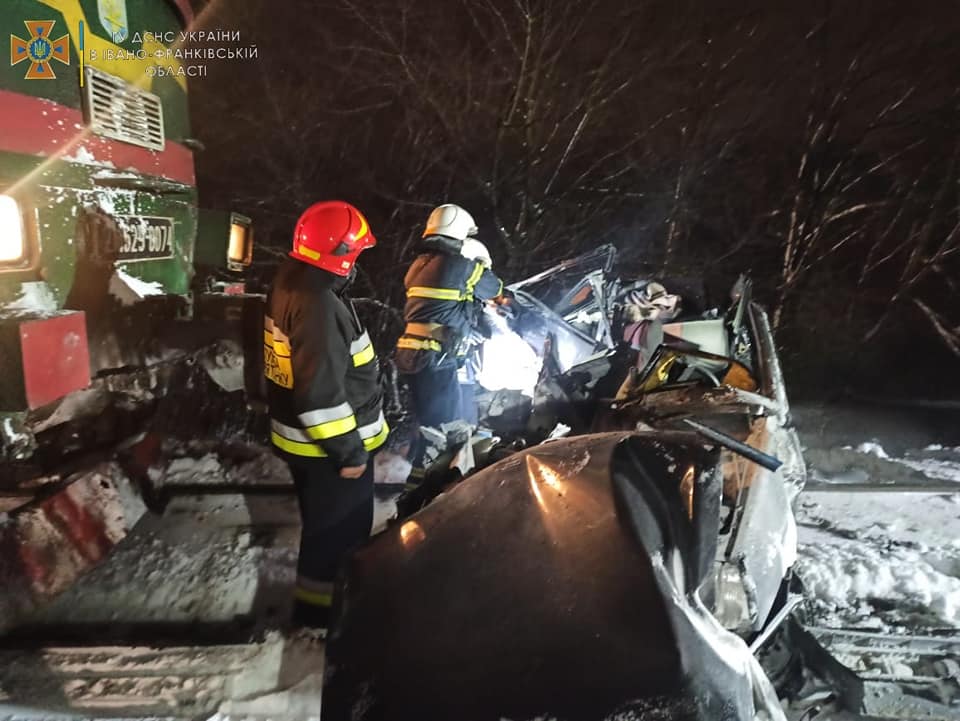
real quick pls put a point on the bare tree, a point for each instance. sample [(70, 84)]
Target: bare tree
[(813, 145), (520, 108), (921, 262)]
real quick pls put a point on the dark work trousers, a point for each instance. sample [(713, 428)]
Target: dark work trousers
[(336, 515), (436, 392), (468, 388), (436, 400)]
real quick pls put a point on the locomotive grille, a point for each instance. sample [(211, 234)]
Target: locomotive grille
[(118, 110)]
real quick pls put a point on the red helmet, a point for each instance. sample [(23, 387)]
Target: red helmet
[(330, 235)]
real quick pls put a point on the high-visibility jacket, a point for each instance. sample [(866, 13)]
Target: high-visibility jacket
[(324, 389), (443, 291)]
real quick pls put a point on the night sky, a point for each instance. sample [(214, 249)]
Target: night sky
[(813, 145)]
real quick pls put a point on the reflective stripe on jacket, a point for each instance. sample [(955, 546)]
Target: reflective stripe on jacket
[(324, 390), (443, 289)]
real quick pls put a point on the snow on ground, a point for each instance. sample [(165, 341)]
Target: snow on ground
[(935, 461), (278, 676), (176, 572), (217, 560), (886, 560), (874, 560), (865, 572), (207, 463), (205, 470), (209, 558), (869, 462)]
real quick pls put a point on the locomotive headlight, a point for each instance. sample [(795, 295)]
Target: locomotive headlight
[(240, 248), (12, 242)]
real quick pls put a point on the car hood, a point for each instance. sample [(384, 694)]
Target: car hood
[(558, 583)]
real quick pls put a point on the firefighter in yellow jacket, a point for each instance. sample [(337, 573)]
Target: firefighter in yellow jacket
[(324, 394), (447, 285)]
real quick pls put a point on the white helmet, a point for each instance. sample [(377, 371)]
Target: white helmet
[(473, 249), (452, 221)]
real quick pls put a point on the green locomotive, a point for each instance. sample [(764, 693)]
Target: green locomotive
[(104, 253)]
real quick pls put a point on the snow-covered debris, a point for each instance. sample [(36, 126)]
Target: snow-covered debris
[(933, 461), (887, 559), (561, 430), (871, 463), (275, 677), (176, 573), (224, 364), (205, 470), (874, 449), (203, 561), (939, 463), (384, 510), (259, 468), (264, 468), (391, 468), (35, 297), (56, 540), (881, 559), (202, 463), (129, 290), (299, 702), (15, 438), (854, 581), (86, 401)]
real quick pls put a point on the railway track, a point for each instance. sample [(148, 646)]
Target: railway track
[(884, 675), (932, 487), (275, 676), (931, 659)]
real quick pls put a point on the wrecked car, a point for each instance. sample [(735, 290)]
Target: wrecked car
[(564, 582), (718, 368), (620, 571)]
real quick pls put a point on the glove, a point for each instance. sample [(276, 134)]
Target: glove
[(508, 311)]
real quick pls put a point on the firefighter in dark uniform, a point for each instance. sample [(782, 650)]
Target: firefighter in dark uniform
[(446, 286), (325, 397)]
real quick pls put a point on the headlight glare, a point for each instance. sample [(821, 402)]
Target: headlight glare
[(240, 249), (12, 240)]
